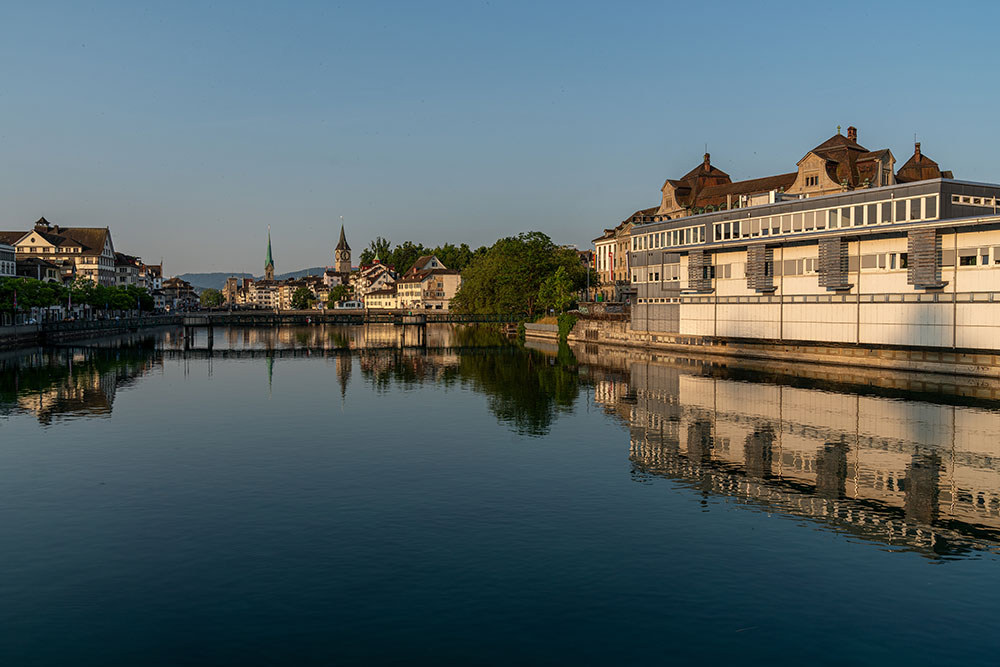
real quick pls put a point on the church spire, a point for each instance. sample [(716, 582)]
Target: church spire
[(269, 261), (342, 245)]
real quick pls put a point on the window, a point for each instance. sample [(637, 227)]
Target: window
[(968, 260), (901, 211), (886, 216), (930, 207), (915, 209)]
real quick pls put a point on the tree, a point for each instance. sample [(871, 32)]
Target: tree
[(379, 248), (507, 277), (337, 293), (557, 290), (211, 298), (303, 299), (405, 255)]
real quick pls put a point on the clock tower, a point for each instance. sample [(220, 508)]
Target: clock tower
[(342, 255)]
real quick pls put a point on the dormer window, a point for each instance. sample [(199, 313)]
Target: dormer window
[(812, 181)]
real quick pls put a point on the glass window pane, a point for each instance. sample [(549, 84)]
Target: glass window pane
[(886, 216), (872, 212), (797, 222), (786, 223), (807, 220), (915, 209), (820, 219), (901, 211), (834, 218), (859, 216), (930, 206), (845, 217)]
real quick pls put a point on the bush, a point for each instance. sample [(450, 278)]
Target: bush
[(566, 324)]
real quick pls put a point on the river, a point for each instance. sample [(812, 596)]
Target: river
[(345, 495)]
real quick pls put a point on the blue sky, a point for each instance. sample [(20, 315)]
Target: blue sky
[(189, 127)]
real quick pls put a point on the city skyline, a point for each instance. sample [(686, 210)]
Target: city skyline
[(189, 130)]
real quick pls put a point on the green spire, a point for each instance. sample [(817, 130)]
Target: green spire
[(269, 261)]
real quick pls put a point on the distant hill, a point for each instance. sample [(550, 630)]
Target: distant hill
[(217, 280)]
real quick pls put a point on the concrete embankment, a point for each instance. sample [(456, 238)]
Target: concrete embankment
[(980, 363), (29, 335)]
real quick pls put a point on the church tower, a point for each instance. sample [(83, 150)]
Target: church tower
[(268, 261), (342, 255)]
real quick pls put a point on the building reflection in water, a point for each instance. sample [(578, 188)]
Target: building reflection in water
[(913, 474), (67, 383)]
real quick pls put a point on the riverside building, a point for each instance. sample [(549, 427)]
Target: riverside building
[(906, 259)]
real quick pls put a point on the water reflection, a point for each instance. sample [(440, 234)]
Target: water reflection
[(911, 474), (60, 383), (865, 455), (236, 341)]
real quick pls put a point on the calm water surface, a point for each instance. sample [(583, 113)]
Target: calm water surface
[(333, 496)]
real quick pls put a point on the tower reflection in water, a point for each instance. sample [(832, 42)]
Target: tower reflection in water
[(908, 472)]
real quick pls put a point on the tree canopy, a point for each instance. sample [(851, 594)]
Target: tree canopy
[(303, 299), (33, 293), (211, 298), (509, 276), (337, 293), (404, 255)]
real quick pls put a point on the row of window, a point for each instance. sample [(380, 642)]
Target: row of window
[(892, 211), (885, 261), (911, 209), (7, 268), (670, 238), (969, 200)]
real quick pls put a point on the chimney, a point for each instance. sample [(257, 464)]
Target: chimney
[(916, 151), (708, 164), (852, 133)]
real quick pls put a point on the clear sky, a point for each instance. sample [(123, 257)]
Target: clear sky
[(188, 127)]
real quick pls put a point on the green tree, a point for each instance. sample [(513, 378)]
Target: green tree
[(507, 277), (405, 255), (337, 293), (380, 248), (303, 299), (556, 291), (211, 298)]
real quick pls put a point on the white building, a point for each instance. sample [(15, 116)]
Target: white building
[(90, 249)]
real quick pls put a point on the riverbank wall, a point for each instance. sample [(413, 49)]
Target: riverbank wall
[(594, 332), (29, 335)]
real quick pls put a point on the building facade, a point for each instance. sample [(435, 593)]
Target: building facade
[(89, 249), (126, 269), (39, 269), (8, 261), (911, 264)]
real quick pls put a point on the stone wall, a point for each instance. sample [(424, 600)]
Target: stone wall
[(602, 332)]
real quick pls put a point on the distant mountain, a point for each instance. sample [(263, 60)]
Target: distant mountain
[(203, 281)]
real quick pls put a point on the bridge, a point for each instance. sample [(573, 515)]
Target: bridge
[(57, 332), (347, 317)]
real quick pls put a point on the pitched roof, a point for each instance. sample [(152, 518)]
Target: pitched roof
[(920, 168), (705, 169), (342, 245)]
